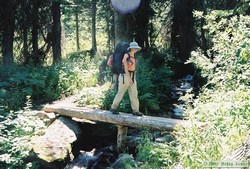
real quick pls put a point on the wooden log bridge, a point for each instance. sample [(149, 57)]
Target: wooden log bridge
[(123, 120)]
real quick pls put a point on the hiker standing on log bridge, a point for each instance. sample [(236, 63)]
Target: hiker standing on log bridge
[(127, 81)]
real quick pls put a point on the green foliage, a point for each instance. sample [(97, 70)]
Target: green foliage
[(224, 102), (18, 83), (89, 98), (43, 84), (227, 126), (152, 84), (229, 68), (82, 8), (75, 74), (108, 98), (93, 96), (16, 130), (156, 155), (24, 86), (242, 7), (145, 87)]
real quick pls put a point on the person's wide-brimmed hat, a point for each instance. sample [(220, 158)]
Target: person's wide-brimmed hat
[(134, 45)]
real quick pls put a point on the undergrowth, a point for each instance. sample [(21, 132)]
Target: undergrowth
[(223, 104), (44, 84), (24, 87)]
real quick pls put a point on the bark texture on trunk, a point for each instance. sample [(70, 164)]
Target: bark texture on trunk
[(35, 27), (77, 31), (56, 32), (93, 30), (8, 32), (122, 28)]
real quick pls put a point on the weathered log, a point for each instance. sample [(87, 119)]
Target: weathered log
[(123, 119)]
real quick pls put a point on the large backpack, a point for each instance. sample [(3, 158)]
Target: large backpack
[(120, 49)]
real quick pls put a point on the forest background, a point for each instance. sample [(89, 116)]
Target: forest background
[(53, 49)]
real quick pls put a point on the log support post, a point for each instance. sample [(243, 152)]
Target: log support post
[(121, 137)]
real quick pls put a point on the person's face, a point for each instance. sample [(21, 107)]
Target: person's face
[(134, 50)]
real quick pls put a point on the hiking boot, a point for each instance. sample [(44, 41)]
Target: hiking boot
[(137, 113), (113, 111)]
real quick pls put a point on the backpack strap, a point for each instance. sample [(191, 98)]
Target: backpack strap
[(128, 59), (133, 75), (130, 72)]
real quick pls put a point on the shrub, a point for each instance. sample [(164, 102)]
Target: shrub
[(16, 130), (21, 88), (224, 101), (153, 86), (44, 84), (156, 155), (94, 96)]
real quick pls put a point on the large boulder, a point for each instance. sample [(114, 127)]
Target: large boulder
[(56, 143)]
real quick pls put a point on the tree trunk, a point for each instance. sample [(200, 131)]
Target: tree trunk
[(25, 31), (122, 28), (182, 36), (56, 32), (8, 23), (142, 21), (26, 20), (77, 30), (35, 28), (93, 14), (25, 44), (110, 31)]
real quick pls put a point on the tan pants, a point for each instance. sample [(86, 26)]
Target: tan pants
[(132, 91)]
